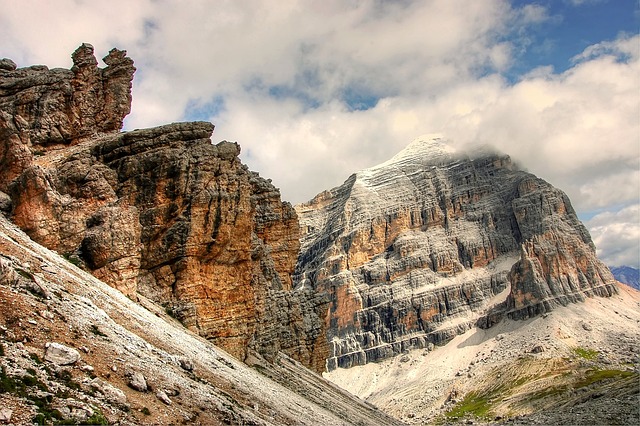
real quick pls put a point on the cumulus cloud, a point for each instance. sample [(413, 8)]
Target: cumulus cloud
[(314, 91), (616, 236)]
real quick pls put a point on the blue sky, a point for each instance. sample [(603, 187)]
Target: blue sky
[(572, 27), (315, 90)]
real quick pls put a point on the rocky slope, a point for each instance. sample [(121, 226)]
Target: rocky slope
[(421, 248), (157, 212), (577, 365), (76, 351)]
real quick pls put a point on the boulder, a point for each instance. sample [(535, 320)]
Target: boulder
[(137, 381), (60, 354), (162, 396)]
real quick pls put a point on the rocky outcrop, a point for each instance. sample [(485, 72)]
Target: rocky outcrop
[(420, 248), (160, 212), (137, 366)]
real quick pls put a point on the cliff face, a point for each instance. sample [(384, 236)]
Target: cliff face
[(160, 212), (426, 245)]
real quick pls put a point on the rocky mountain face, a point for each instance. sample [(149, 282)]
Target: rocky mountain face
[(76, 351), (160, 212), (423, 247)]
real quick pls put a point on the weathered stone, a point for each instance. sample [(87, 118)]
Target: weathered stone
[(110, 392), (187, 364), (7, 64), (5, 415), (161, 212), (538, 349), (60, 354), (162, 396), (137, 381), (72, 409), (60, 106), (5, 202), (411, 251)]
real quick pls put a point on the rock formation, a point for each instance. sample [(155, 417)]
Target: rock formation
[(160, 212), (418, 249), (76, 351)]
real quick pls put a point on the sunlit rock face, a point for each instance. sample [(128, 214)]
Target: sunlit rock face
[(422, 247), (159, 212)]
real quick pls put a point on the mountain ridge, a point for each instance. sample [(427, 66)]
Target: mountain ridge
[(627, 275)]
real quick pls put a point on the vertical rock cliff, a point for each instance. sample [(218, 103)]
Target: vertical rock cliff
[(422, 247), (160, 212)]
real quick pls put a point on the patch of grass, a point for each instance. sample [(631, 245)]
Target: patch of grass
[(22, 387), (97, 418), (146, 411), (590, 377), (74, 259), (473, 404), (585, 353), (593, 376), (35, 358), (67, 378)]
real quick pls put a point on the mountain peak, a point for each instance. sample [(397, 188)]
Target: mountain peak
[(428, 149)]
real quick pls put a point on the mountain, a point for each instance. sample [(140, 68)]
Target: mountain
[(576, 365), (432, 242), (197, 249), (160, 212), (149, 277), (626, 275), (76, 351), (463, 290)]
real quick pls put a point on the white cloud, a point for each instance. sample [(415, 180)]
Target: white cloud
[(284, 75), (616, 236)]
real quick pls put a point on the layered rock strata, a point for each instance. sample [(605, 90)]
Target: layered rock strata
[(161, 212), (422, 247)]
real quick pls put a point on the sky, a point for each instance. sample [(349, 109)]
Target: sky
[(314, 91)]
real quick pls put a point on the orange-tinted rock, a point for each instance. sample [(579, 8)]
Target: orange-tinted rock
[(161, 212)]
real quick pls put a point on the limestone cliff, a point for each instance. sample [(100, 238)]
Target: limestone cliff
[(160, 212), (420, 248)]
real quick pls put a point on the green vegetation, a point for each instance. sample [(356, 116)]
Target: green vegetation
[(97, 419), (473, 404), (23, 388), (590, 377), (20, 386), (67, 378), (588, 354), (35, 358), (146, 411), (593, 376), (74, 259)]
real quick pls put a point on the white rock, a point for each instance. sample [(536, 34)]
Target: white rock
[(5, 415), (162, 396), (137, 381), (60, 354), (111, 393)]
